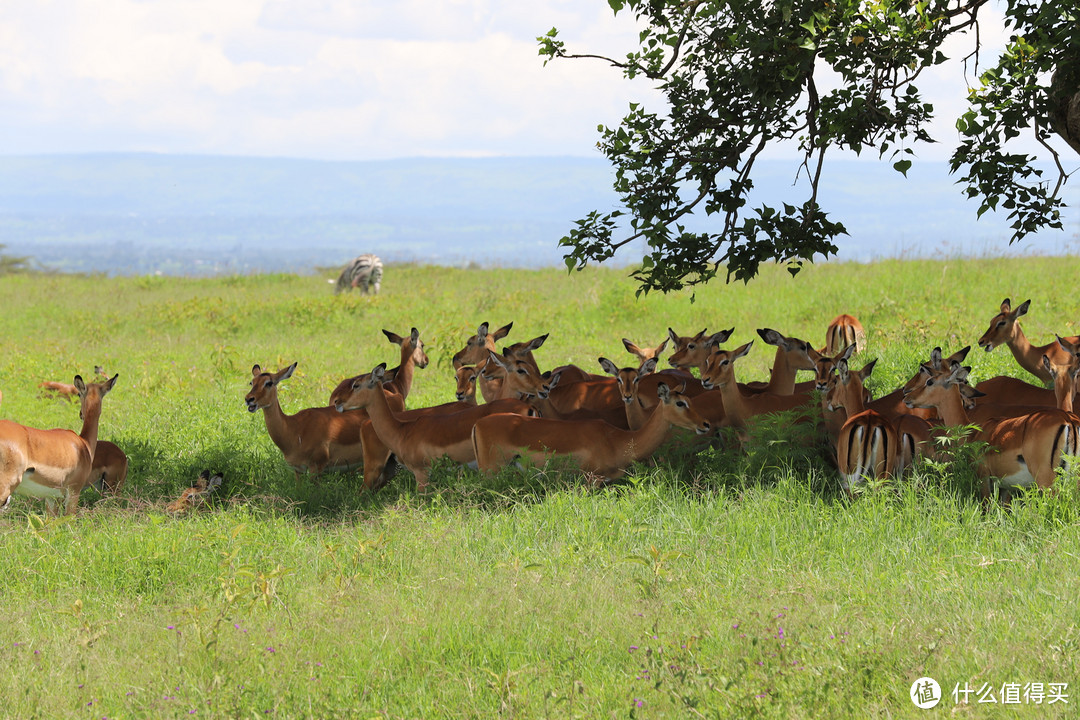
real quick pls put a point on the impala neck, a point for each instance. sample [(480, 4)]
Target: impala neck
[(382, 418), (277, 423), (951, 408), (91, 412), (735, 409), (637, 415), (403, 376), (782, 377), (1024, 352), (643, 442)]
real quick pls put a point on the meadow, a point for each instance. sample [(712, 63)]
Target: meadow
[(717, 585)]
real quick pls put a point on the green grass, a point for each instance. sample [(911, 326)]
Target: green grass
[(715, 585)]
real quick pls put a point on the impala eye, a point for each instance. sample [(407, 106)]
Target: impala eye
[(681, 404), (1001, 323)]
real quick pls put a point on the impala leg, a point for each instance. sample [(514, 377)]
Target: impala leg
[(71, 504)]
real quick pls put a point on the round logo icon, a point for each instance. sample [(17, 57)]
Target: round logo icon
[(925, 693)]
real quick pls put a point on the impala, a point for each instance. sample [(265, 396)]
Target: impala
[(844, 330), (109, 470), (1024, 450), (1005, 330), (418, 441), (792, 355), (692, 351), (466, 378), (587, 400), (596, 446), (400, 378), (313, 440), (59, 389), (645, 353), (195, 496), (739, 407), (52, 464), (475, 353), (869, 444)]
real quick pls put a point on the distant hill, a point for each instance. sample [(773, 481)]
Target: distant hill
[(140, 213)]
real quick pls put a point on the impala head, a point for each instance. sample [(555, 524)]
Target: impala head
[(644, 353), (476, 347), (679, 410), (466, 383), (720, 367), (1003, 325), (90, 394), (798, 353), (522, 377), (1065, 375), (419, 357), (362, 389), (848, 391), (690, 351), (937, 365), (934, 387), (628, 378), (263, 391), (825, 368), (524, 350)]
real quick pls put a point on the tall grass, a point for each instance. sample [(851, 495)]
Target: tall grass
[(715, 585)]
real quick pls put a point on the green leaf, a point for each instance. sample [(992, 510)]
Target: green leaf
[(902, 166)]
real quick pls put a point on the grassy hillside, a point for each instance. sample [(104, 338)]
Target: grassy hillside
[(716, 586)]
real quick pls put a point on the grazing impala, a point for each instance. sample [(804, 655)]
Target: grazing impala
[(596, 446), (312, 440), (844, 330), (1024, 450), (421, 440), (400, 378), (1005, 330), (52, 464)]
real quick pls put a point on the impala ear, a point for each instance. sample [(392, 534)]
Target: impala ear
[(482, 331), (393, 337), (672, 336), (847, 353), (660, 348), (286, 373), (744, 350), (842, 369), (498, 360), (1066, 345), (501, 332), (663, 392), (107, 386), (378, 372), (1006, 306), (414, 336), (720, 337), (80, 385), (608, 366), (647, 367), (935, 358), (770, 336), (867, 369), (536, 342), (256, 371), (1046, 364), (960, 355), (1022, 310), (556, 375)]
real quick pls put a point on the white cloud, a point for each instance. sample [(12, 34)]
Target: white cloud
[(335, 79)]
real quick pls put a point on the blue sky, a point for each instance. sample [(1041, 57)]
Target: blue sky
[(328, 79)]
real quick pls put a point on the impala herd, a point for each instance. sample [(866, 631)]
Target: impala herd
[(602, 423)]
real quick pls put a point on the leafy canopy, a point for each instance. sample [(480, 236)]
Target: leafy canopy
[(740, 75)]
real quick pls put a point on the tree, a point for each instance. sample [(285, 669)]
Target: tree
[(739, 75), (10, 264)]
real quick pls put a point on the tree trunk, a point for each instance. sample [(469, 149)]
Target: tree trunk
[(1065, 105)]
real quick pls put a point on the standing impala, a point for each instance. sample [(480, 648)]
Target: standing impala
[(596, 446), (418, 441), (52, 464), (1024, 450), (1005, 330)]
